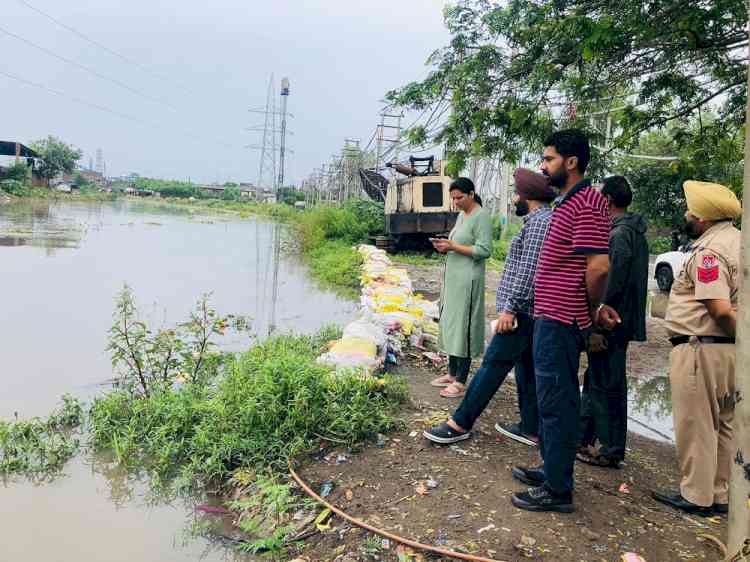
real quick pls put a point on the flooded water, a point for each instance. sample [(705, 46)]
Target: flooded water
[(650, 407), (61, 267)]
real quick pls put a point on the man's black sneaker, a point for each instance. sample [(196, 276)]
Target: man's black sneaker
[(513, 431), (541, 499), (531, 476), (445, 434), (675, 500), (720, 508)]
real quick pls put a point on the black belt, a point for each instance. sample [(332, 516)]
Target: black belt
[(679, 340)]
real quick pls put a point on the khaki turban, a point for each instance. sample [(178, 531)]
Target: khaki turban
[(711, 201)]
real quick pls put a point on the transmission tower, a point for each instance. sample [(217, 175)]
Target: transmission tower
[(267, 161), (284, 99)]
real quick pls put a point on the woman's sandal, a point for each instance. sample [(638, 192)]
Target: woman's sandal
[(442, 381), (453, 390), (597, 460)]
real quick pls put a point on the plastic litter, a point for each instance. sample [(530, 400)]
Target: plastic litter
[(632, 557), (326, 489)]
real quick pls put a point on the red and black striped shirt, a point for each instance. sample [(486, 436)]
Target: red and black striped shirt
[(580, 226)]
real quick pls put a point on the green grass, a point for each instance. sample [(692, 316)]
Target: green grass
[(419, 259), (272, 403), (39, 448)]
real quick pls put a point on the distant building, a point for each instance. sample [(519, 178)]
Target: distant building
[(12, 152)]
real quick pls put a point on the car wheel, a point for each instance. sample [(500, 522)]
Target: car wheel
[(664, 278)]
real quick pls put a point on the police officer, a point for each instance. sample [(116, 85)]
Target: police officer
[(701, 319)]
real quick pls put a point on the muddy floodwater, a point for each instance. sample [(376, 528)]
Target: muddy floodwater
[(61, 267)]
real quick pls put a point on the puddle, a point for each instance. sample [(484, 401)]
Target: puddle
[(62, 265)]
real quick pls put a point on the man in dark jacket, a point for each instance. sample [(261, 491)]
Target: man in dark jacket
[(604, 412)]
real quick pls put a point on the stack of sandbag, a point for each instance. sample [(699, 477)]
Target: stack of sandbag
[(390, 317)]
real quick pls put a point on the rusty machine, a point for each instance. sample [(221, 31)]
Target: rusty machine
[(417, 202)]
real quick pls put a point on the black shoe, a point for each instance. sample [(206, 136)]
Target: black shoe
[(675, 500), (514, 432), (445, 434), (530, 476), (541, 499), (720, 508)]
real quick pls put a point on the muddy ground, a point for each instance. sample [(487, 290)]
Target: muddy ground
[(458, 497)]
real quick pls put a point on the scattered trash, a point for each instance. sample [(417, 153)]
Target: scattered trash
[(432, 484), (421, 489), (527, 540), (413, 434), (600, 548), (382, 440), (349, 495), (489, 528), (632, 557), (442, 538), (386, 544), (455, 515), (405, 554), (459, 450), (323, 521), (623, 489), (326, 488), (341, 458)]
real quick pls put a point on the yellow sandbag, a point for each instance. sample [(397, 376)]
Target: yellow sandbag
[(346, 346)]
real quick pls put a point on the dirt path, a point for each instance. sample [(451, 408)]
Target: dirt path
[(466, 503)]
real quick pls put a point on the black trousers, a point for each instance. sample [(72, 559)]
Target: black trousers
[(505, 352), (458, 367), (557, 349), (604, 404)]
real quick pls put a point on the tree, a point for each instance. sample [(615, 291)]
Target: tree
[(514, 71), (707, 149), (57, 156)]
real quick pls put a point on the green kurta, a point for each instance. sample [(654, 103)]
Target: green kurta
[(462, 296)]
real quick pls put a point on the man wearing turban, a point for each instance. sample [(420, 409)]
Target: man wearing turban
[(701, 320)]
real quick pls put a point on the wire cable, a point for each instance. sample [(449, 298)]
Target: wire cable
[(88, 39), (189, 134), (91, 71)]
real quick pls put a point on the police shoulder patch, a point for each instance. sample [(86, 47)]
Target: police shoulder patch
[(708, 268)]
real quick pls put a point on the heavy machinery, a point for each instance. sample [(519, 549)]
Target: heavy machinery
[(417, 205)]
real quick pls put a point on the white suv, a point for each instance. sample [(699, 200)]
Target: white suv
[(668, 265)]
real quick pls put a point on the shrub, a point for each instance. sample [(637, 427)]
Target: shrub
[(15, 187), (660, 244), (272, 403)]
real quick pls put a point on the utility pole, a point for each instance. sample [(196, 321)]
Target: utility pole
[(284, 99), (739, 483)]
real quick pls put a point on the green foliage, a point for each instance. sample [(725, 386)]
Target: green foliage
[(39, 448), (169, 188), (57, 156), (289, 195), (18, 171), (15, 187), (335, 263), (231, 193), (149, 361), (352, 223), (501, 246), (513, 71), (271, 403), (708, 150), (659, 244)]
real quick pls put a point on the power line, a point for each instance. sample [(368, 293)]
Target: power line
[(99, 45), (191, 135), (86, 69)]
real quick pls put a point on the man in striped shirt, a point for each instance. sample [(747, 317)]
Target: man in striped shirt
[(570, 282)]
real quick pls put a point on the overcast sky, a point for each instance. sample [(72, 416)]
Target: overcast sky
[(203, 65)]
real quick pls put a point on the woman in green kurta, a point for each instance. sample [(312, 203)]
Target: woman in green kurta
[(462, 297)]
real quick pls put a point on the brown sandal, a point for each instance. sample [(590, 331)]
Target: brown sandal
[(443, 381), (453, 390)]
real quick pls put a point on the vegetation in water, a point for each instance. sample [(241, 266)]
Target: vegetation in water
[(38, 447), (255, 409)]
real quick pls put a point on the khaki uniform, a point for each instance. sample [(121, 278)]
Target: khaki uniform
[(702, 374)]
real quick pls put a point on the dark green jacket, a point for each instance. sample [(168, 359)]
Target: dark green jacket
[(627, 283)]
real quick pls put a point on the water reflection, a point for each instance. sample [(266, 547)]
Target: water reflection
[(69, 262), (650, 407)]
